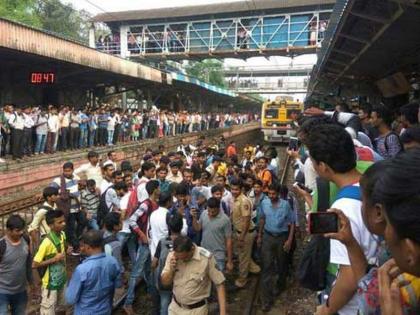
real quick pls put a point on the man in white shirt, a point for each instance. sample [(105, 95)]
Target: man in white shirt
[(53, 128), (106, 182), (158, 228), (17, 123), (92, 170), (333, 155), (112, 159), (28, 124)]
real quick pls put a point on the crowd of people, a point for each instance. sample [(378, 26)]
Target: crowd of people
[(189, 217), (363, 167), (29, 130), (182, 217)]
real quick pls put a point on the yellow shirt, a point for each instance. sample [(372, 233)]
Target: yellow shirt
[(48, 250)]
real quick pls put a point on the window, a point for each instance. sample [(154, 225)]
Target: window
[(272, 113)]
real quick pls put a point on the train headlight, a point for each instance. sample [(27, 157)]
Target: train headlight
[(274, 125)]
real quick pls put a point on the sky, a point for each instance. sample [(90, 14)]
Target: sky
[(101, 6)]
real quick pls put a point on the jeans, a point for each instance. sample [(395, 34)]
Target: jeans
[(83, 137), (74, 137), (74, 227), (64, 137), (141, 267), (165, 300), (110, 136), (17, 143), (27, 141), (93, 224), (131, 241), (41, 141), (102, 136), (92, 134), (16, 301), (220, 264), (274, 263)]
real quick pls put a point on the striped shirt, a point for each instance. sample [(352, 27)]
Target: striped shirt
[(73, 189), (89, 201)]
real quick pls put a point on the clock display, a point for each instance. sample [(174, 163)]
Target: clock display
[(42, 78)]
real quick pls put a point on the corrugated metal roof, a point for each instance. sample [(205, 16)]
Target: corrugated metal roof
[(207, 9)]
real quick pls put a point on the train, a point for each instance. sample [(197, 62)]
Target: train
[(278, 119)]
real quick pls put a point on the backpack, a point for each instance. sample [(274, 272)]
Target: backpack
[(103, 208), (274, 177), (312, 270), (392, 133), (143, 221), (107, 241), (133, 202)]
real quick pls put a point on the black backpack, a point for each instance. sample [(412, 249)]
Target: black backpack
[(312, 270), (103, 208)]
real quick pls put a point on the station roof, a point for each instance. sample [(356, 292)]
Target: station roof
[(206, 9), (16, 38), (367, 41)]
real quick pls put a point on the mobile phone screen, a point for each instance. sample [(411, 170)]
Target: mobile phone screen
[(323, 222), (293, 144)]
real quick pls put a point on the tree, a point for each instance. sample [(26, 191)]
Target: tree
[(208, 70), (23, 11), (50, 15), (64, 19)]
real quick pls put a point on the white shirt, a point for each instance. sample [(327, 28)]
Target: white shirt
[(228, 199), (111, 123), (142, 194), (91, 171), (310, 174), (104, 185), (123, 206), (158, 228), (16, 121), (28, 121), (53, 123), (338, 253)]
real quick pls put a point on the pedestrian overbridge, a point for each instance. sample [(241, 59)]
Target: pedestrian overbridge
[(234, 29)]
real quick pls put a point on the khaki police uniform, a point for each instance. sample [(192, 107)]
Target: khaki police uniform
[(242, 207), (192, 282)]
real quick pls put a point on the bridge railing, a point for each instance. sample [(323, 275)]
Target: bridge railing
[(253, 33)]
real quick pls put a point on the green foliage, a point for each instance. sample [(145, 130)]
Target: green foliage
[(51, 15), (64, 19), (23, 11), (209, 70)]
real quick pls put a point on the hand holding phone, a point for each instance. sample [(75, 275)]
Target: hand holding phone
[(344, 233), (293, 144), (323, 222)]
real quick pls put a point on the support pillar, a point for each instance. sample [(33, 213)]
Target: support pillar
[(124, 41), (92, 41)]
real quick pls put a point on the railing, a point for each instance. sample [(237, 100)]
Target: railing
[(256, 33)]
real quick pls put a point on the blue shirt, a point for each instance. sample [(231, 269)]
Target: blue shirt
[(103, 120), (83, 125), (91, 288), (277, 216)]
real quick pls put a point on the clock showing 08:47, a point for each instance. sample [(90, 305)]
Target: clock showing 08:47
[(42, 78)]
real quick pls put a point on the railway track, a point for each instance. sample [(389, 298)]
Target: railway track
[(251, 304)]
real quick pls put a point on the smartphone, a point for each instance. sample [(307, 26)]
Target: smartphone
[(293, 144), (302, 186), (323, 222)]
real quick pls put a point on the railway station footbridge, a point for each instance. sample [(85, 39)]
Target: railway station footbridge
[(234, 29)]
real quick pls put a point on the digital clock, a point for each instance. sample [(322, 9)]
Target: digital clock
[(42, 78)]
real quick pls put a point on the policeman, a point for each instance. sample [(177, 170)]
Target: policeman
[(191, 270), (245, 232)]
